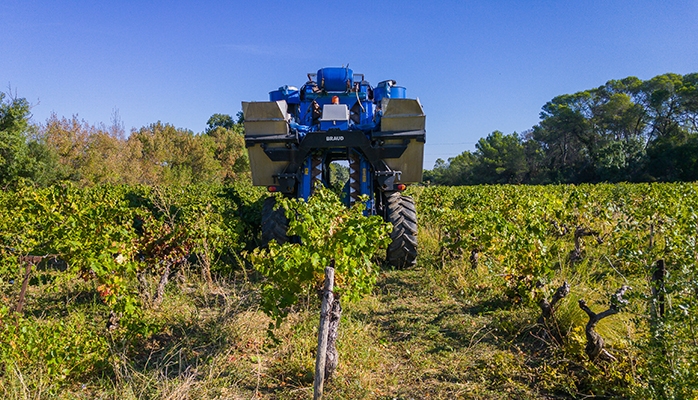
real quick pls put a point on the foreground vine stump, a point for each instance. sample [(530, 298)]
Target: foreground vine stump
[(474, 257), (548, 307), (579, 233), (595, 342)]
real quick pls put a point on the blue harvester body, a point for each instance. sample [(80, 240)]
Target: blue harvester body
[(294, 136)]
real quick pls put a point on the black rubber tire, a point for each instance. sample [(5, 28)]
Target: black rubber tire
[(274, 223), (401, 212)]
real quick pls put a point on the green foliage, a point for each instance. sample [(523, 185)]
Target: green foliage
[(112, 235), (245, 208), (61, 350), (90, 230), (625, 130), (339, 176), (14, 116), (501, 159), (527, 236), (157, 154), (670, 347), (174, 156), (325, 230), (228, 148), (197, 221), (224, 121)]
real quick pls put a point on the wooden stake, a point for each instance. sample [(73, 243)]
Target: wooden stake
[(658, 288), (29, 262), (332, 360), (327, 300)]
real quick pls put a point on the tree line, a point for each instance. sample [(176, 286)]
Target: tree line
[(70, 149), (626, 130)]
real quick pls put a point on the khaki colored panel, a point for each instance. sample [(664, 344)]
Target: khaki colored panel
[(401, 107), (265, 117), (410, 163), (263, 169), (402, 115)]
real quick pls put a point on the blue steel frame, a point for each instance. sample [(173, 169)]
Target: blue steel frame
[(341, 83), (305, 185)]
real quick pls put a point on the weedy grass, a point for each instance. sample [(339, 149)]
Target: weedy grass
[(434, 331)]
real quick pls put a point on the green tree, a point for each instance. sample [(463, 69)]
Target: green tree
[(339, 176), (689, 101), (671, 102), (228, 149), (619, 123), (433, 176), (42, 163), (461, 169), (662, 102), (67, 138), (168, 155), (565, 136), (87, 154), (594, 135), (501, 159), (457, 170), (14, 122), (535, 160), (220, 120), (624, 130)]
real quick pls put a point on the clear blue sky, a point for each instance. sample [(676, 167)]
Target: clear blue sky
[(477, 66)]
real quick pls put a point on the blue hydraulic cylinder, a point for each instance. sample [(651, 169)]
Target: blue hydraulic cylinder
[(305, 185)]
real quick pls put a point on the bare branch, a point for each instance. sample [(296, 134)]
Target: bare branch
[(548, 308), (595, 343)]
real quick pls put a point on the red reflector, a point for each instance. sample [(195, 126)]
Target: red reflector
[(401, 187), (272, 189)]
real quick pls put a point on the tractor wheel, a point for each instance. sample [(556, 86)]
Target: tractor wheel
[(274, 223), (401, 212)]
